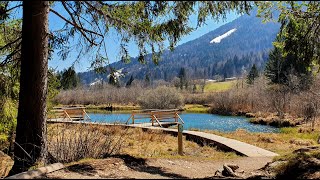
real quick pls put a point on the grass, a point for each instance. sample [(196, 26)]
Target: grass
[(196, 108), (155, 144), (218, 86), (288, 140), (298, 166)]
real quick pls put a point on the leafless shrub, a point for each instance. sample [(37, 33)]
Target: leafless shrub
[(100, 95), (68, 143), (198, 98), (161, 98)]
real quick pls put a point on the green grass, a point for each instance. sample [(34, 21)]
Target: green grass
[(218, 86), (293, 132), (196, 108)]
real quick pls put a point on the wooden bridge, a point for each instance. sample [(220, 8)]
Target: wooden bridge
[(161, 118), (164, 118), (77, 113)]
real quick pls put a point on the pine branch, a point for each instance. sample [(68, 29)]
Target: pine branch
[(74, 24)]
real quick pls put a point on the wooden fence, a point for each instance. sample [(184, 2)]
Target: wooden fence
[(156, 116), (69, 113)]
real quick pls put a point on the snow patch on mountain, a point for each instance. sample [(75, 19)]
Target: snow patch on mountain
[(219, 38)]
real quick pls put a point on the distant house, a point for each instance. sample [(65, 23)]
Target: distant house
[(231, 78)]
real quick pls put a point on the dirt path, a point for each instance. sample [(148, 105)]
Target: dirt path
[(130, 167)]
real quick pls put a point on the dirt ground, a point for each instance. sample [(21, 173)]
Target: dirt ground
[(126, 166)]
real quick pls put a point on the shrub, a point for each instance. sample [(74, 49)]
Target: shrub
[(161, 98), (68, 143)]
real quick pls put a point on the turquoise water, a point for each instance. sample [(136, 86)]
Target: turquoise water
[(199, 121)]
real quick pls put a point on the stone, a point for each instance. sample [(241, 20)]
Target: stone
[(306, 149), (218, 173), (233, 166), (5, 164), (227, 171)]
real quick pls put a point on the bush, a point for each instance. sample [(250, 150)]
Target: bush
[(69, 143), (161, 98), (99, 95)]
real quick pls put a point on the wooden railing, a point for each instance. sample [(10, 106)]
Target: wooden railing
[(69, 113), (156, 116)]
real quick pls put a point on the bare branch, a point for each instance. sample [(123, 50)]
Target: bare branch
[(14, 7), (77, 26)]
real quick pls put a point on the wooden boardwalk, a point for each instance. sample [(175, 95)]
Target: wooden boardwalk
[(222, 142)]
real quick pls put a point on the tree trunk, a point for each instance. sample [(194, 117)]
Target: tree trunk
[(30, 142)]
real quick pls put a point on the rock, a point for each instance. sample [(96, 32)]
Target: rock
[(257, 175), (5, 164), (218, 173), (270, 167), (301, 142), (250, 115), (233, 166), (306, 149), (227, 171), (314, 161)]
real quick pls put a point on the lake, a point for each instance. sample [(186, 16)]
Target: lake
[(201, 121)]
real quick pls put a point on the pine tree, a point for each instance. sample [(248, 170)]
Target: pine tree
[(69, 79), (253, 74), (182, 76), (147, 80), (130, 81), (275, 69)]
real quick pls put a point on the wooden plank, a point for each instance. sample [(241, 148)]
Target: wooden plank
[(37, 172)]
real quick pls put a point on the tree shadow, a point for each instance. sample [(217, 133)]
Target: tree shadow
[(84, 169), (139, 164)]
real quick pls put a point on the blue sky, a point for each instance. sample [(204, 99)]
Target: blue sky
[(113, 42)]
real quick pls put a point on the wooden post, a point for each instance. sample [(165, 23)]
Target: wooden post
[(152, 120), (175, 116), (180, 147)]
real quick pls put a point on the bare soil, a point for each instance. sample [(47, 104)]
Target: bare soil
[(126, 166)]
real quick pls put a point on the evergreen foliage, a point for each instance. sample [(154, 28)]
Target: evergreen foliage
[(130, 81), (69, 79), (182, 77), (253, 74)]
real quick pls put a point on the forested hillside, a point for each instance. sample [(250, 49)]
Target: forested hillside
[(249, 44)]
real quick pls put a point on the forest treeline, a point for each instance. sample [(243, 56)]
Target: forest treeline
[(28, 87)]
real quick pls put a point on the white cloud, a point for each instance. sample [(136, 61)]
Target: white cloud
[(219, 38)]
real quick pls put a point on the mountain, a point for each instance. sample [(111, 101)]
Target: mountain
[(227, 51)]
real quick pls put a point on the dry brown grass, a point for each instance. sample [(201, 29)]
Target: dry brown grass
[(158, 144), (72, 142), (134, 141), (286, 141)]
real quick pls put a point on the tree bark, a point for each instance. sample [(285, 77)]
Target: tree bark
[(30, 142)]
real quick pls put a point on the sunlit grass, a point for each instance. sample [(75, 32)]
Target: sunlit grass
[(196, 108), (288, 140), (219, 86), (155, 144)]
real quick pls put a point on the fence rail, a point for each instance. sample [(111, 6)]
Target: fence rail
[(160, 117), (69, 113)]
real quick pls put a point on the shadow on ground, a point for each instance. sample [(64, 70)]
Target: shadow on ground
[(84, 169), (139, 164)]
